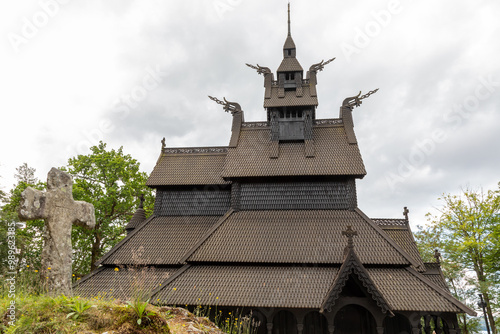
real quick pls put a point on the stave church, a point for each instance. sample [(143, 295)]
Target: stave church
[(270, 224)]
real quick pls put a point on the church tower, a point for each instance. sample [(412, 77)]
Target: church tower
[(270, 225)]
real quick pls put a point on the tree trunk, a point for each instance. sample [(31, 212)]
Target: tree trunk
[(96, 247), (491, 320), (465, 330)]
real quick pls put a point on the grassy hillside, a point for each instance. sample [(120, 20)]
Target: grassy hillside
[(43, 314)]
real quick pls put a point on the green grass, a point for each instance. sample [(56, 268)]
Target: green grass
[(44, 314)]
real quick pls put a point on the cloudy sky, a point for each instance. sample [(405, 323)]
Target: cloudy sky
[(131, 72)]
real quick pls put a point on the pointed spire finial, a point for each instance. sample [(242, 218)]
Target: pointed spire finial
[(289, 33), (141, 198)]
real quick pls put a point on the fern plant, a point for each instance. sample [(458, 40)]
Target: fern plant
[(78, 307), (140, 310)]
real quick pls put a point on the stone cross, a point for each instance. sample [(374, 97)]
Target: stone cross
[(60, 211)]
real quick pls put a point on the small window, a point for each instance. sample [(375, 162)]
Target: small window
[(289, 52)]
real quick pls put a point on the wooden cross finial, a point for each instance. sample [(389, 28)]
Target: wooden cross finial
[(406, 212), (437, 256), (349, 233)]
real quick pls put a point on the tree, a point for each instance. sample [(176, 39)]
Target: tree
[(466, 232), (28, 239), (26, 174), (112, 182)]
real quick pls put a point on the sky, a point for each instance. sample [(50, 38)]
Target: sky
[(132, 72)]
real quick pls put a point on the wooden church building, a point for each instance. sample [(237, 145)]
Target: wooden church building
[(270, 224)]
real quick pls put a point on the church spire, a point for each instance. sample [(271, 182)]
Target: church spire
[(289, 33), (289, 47)]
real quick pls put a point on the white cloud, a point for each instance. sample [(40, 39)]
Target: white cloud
[(65, 82)]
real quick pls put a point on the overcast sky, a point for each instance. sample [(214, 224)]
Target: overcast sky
[(131, 72)]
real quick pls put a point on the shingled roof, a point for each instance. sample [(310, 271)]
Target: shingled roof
[(333, 155), (290, 99), (289, 64), (435, 275), (351, 267), (296, 236), (398, 284), (298, 287), (159, 241), (122, 283), (252, 286), (138, 217), (189, 166), (399, 231)]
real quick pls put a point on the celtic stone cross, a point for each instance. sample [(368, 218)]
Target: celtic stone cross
[(60, 211)]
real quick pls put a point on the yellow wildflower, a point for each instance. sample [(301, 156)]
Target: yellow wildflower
[(49, 268), (116, 269)]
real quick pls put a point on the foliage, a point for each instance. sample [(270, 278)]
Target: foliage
[(140, 310), (28, 239), (78, 307), (466, 232), (237, 324), (26, 174), (231, 322), (44, 314), (111, 181)]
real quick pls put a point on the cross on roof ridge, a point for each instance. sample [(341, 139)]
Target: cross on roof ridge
[(349, 233)]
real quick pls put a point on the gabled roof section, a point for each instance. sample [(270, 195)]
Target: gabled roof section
[(352, 265), (435, 275), (399, 231), (290, 64), (290, 99), (159, 241), (414, 263), (333, 155), (405, 289), (295, 236), (138, 217), (188, 166)]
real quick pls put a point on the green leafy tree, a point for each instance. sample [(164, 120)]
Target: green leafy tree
[(112, 182), (466, 232), (28, 239)]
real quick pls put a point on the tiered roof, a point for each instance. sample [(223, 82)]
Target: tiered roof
[(261, 222)]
